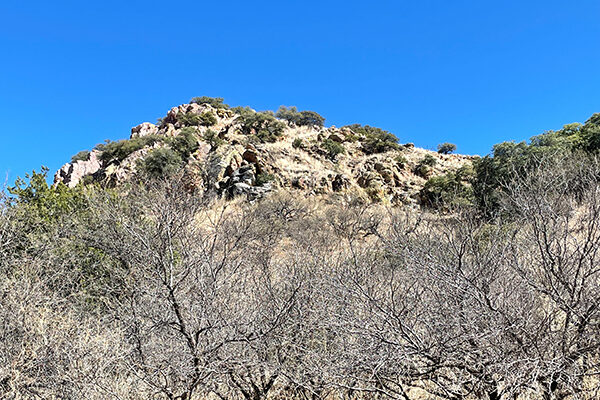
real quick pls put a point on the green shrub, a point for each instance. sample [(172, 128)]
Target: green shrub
[(448, 191), (83, 155), (242, 110), (118, 151), (495, 172), (192, 119), (424, 171), (375, 140), (49, 203), (424, 166), (216, 102), (401, 161), (185, 143), (332, 148), (589, 133), (446, 148), (297, 143), (212, 138), (300, 118), (263, 178), (428, 160), (160, 162), (101, 146), (262, 124)]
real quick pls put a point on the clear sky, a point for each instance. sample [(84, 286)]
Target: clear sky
[(73, 73)]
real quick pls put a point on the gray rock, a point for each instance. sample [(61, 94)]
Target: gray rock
[(252, 192)]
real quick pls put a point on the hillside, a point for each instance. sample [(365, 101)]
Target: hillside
[(144, 272), (232, 152)]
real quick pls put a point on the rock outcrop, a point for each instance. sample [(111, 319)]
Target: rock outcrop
[(229, 163), (144, 129), (71, 174)]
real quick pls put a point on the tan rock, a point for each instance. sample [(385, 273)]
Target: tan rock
[(71, 174), (388, 177), (143, 129), (168, 130)]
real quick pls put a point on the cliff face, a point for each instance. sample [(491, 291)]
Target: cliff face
[(229, 160)]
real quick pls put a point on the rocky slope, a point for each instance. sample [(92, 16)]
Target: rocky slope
[(229, 160)]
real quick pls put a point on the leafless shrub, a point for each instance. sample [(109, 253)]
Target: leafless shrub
[(153, 293)]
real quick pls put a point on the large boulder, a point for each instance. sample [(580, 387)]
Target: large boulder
[(71, 174), (143, 129), (220, 164), (251, 192)]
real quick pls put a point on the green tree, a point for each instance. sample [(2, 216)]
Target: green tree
[(297, 143), (160, 162), (216, 102), (300, 118), (496, 172), (590, 133), (48, 203), (192, 119), (262, 124), (374, 140), (83, 155), (446, 148), (212, 138)]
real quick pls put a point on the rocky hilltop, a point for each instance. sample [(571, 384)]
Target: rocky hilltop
[(228, 152)]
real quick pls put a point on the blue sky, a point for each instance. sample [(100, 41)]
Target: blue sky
[(474, 73)]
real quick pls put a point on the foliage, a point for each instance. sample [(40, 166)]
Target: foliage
[(101, 146), (495, 172), (262, 124), (450, 190), (160, 162), (192, 119), (297, 143), (212, 138), (424, 166), (300, 118), (332, 148), (43, 201), (422, 170), (216, 102), (446, 148), (262, 300), (401, 161), (83, 155), (375, 140), (509, 160), (118, 151), (428, 160), (242, 110), (185, 144), (264, 178)]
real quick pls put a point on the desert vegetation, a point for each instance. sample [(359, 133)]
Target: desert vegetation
[(300, 118), (375, 140), (149, 291), (196, 280), (485, 186)]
